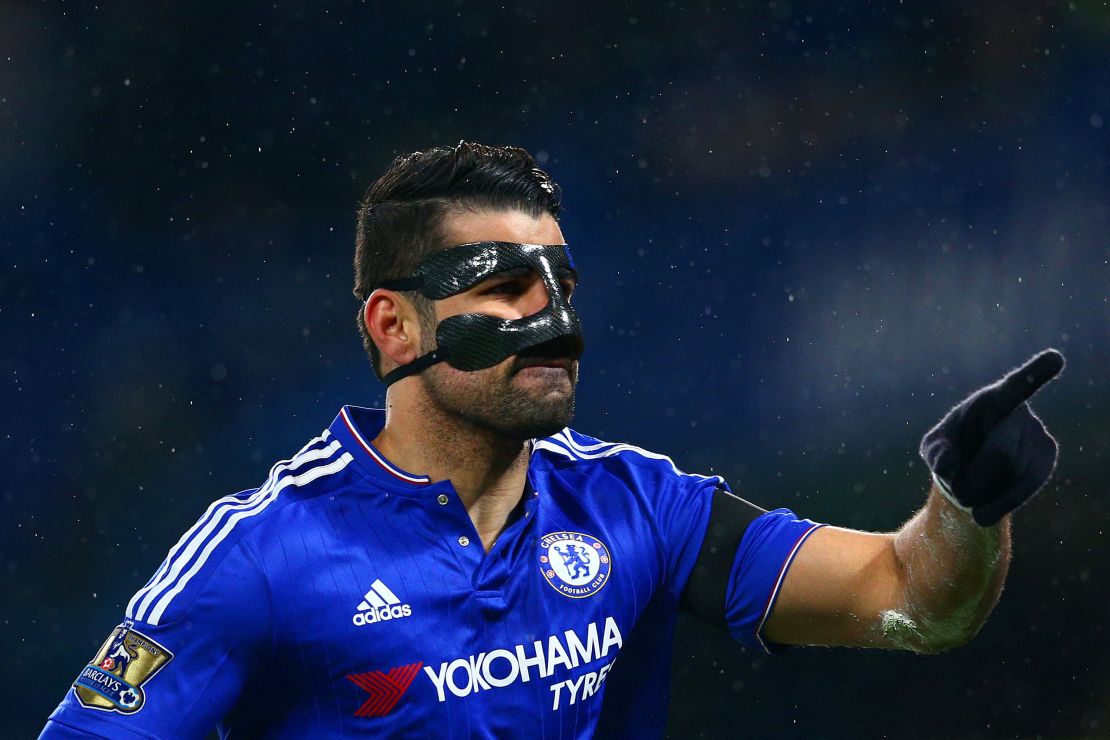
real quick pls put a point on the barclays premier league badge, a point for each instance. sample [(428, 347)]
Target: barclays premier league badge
[(113, 681), (575, 564)]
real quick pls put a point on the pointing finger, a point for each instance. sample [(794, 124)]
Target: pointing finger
[(1021, 384)]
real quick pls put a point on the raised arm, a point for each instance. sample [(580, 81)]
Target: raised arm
[(930, 586)]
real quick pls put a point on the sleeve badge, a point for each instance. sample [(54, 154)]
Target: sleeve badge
[(113, 681)]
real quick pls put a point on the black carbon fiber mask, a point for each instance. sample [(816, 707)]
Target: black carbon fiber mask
[(474, 341)]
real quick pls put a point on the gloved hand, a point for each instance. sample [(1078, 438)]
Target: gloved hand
[(990, 453)]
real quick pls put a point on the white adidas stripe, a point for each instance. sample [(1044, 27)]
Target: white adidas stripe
[(172, 565), (187, 546), (546, 444), (299, 480), (217, 509), (565, 436), (607, 449)]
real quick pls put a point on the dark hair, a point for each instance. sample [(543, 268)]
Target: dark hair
[(400, 218)]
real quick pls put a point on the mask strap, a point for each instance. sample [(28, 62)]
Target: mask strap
[(420, 363)]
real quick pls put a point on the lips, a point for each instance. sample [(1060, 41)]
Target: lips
[(557, 353)]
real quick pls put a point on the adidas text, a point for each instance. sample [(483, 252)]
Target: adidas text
[(382, 614), (380, 604)]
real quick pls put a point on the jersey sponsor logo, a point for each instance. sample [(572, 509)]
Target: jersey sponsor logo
[(574, 564), (539, 659), (379, 604), (113, 681), (385, 689), (574, 690)]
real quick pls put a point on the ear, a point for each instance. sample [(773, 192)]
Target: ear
[(392, 323)]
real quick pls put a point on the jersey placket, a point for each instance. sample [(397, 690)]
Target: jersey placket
[(486, 573)]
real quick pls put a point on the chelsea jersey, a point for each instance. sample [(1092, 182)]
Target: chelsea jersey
[(346, 597)]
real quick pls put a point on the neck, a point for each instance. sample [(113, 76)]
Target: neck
[(486, 469)]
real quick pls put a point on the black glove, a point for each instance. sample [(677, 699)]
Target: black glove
[(990, 453)]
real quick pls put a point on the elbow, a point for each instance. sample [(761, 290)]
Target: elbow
[(940, 638), (926, 636), (942, 644)]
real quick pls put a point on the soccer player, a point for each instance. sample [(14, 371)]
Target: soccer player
[(461, 564)]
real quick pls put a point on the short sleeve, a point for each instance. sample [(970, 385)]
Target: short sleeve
[(176, 667), (682, 515), (765, 554)]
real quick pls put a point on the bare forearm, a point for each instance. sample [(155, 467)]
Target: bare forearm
[(931, 585), (953, 574)]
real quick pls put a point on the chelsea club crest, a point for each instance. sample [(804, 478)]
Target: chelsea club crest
[(576, 565)]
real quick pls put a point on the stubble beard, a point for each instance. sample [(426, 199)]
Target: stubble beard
[(496, 400)]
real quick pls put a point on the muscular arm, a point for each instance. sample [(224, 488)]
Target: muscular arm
[(927, 588)]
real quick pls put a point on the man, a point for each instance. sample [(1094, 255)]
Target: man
[(463, 565)]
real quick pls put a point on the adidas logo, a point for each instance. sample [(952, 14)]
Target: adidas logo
[(380, 604)]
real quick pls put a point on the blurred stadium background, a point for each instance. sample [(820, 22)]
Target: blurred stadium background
[(805, 230)]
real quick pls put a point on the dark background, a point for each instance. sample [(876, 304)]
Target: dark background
[(805, 229)]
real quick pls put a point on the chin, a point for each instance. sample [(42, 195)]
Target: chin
[(522, 406), (536, 419)]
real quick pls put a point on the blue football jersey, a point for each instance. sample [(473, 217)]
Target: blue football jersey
[(347, 597)]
